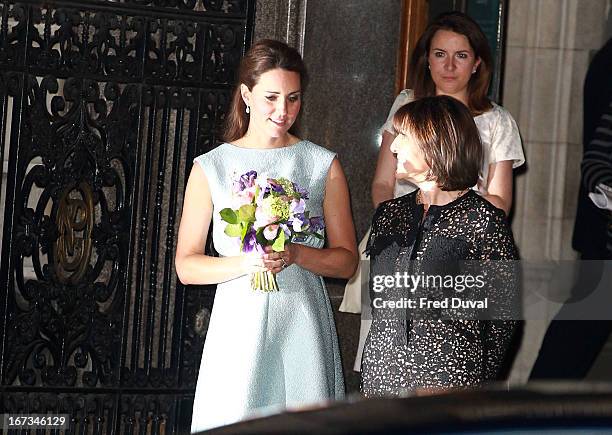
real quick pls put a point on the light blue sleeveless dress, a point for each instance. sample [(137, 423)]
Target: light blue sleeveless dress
[(267, 352)]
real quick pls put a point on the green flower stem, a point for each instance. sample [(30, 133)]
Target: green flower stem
[(264, 281)]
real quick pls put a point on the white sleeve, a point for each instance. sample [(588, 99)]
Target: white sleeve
[(506, 140), (404, 97)]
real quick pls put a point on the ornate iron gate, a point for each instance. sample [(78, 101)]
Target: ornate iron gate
[(103, 106)]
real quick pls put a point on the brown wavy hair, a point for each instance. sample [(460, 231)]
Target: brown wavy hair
[(444, 130), (263, 56), (420, 80)]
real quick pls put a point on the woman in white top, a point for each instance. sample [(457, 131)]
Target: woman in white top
[(452, 58)]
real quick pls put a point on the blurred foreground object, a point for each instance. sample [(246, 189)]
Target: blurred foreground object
[(568, 408)]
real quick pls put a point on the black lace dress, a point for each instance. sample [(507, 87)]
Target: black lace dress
[(439, 347)]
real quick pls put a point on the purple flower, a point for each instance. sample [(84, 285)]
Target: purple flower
[(250, 243), (317, 223), (286, 229), (274, 187), (302, 192), (245, 181), (297, 206)]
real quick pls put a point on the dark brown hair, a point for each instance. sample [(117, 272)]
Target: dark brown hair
[(444, 130), (420, 77), (262, 57)]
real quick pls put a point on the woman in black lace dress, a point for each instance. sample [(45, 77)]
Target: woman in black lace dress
[(429, 233)]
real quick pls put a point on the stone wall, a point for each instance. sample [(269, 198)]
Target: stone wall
[(548, 47)]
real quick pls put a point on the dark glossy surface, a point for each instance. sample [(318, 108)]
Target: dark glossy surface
[(544, 408)]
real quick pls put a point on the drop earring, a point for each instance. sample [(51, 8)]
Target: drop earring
[(248, 109)]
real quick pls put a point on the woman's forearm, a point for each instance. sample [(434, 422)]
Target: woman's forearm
[(384, 177), (331, 262), (499, 202), (201, 269), (381, 192), (499, 188)]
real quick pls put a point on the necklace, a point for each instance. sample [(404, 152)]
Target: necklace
[(419, 198)]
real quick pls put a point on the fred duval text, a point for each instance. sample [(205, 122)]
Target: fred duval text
[(425, 303)]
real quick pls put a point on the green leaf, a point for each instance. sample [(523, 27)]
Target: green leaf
[(233, 230), (229, 216), (260, 237), (246, 213), (279, 243)]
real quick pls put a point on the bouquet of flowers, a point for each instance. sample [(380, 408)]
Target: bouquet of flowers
[(268, 212)]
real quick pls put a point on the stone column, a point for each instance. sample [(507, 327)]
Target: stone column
[(548, 49), (350, 49), (283, 20)]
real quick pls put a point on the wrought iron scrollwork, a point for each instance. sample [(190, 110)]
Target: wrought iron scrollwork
[(13, 33), (228, 7), (105, 108), (69, 228), (72, 41)]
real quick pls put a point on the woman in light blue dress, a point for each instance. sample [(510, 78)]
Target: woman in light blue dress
[(266, 352)]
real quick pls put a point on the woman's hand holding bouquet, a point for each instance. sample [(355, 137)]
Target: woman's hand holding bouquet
[(268, 214)]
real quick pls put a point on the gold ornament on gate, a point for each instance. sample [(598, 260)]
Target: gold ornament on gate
[(75, 220)]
